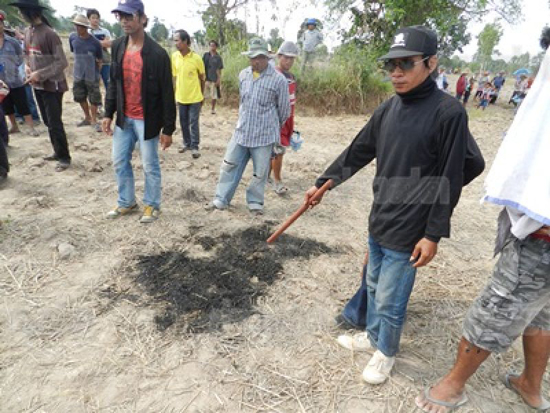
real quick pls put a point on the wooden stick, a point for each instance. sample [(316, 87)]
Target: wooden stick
[(327, 185)]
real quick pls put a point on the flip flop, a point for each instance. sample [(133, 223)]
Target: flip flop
[(279, 188), (448, 405), (545, 404)]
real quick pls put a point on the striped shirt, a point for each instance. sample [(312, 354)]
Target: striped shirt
[(263, 109)]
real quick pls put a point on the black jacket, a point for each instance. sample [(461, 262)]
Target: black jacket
[(424, 155), (157, 89)]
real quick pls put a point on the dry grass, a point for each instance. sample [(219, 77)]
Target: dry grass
[(79, 335)]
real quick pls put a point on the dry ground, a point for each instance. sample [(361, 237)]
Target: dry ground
[(102, 331)]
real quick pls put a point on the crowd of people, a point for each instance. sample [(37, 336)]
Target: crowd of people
[(420, 138), (488, 90)]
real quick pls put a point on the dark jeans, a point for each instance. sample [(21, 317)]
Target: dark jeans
[(4, 165), (105, 69), (51, 108), (189, 121), (32, 105)]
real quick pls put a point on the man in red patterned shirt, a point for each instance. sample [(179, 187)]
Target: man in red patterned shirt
[(142, 95), (286, 54)]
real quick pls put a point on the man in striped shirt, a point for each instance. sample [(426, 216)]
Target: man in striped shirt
[(264, 108)]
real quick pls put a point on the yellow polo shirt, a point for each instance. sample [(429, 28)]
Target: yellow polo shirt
[(186, 69)]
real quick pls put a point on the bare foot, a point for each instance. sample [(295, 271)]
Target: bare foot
[(442, 392), (532, 399), (13, 130)]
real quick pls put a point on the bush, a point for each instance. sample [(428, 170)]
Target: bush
[(349, 81)]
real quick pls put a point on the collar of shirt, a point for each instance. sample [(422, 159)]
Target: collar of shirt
[(187, 56), (269, 71)]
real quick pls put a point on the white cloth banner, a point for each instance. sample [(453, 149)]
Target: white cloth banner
[(520, 175)]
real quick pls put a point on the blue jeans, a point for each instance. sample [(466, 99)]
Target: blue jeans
[(234, 162), (105, 70), (189, 121), (124, 142), (381, 301)]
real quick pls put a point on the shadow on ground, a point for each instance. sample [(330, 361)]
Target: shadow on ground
[(222, 285)]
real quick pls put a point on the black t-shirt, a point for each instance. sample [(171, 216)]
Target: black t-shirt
[(212, 64)]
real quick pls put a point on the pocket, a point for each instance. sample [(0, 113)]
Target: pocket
[(245, 90), (530, 257), (265, 96)]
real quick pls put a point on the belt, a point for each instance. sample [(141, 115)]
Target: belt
[(543, 234)]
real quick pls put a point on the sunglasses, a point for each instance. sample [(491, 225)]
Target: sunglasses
[(404, 64)]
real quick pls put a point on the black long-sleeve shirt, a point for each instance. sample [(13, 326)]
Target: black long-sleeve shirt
[(425, 154)]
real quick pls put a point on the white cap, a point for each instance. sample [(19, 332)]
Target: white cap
[(288, 49)]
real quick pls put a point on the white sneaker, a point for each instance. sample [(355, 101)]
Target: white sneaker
[(379, 368), (356, 342)]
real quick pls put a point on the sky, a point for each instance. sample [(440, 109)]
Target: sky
[(519, 38)]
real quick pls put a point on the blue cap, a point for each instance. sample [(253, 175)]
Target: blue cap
[(311, 21), (129, 6)]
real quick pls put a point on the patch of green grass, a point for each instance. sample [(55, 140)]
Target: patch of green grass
[(347, 82)]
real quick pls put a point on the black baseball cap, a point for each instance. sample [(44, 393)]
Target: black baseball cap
[(129, 7), (412, 41)]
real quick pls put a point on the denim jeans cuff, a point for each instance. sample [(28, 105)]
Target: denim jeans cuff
[(255, 206)]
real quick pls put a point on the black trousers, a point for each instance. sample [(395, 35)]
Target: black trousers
[(4, 165), (51, 109)]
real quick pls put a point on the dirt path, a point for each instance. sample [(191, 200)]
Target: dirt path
[(194, 313)]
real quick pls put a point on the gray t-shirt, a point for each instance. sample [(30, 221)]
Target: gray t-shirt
[(86, 53), (212, 64)]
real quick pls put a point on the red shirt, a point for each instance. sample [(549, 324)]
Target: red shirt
[(132, 68), (288, 127), (461, 85)]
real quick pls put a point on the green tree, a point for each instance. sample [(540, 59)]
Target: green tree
[(375, 22), (200, 38), (232, 30), (218, 25), (454, 63), (519, 62), (498, 65), (274, 40), (65, 25), (487, 41), (115, 29), (159, 31)]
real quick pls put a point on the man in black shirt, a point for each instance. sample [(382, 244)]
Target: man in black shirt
[(213, 64), (424, 155)]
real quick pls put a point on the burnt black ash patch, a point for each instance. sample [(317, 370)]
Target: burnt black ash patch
[(198, 294)]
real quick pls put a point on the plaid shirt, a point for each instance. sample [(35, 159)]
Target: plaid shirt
[(263, 109)]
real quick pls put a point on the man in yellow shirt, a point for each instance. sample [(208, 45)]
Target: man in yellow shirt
[(189, 77)]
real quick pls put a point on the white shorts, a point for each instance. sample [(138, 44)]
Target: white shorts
[(212, 91)]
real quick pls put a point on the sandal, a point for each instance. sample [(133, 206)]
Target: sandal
[(279, 188), (544, 405), (450, 406)]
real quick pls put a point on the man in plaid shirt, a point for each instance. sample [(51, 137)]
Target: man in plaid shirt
[(264, 108)]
